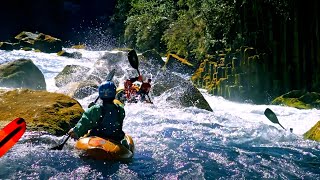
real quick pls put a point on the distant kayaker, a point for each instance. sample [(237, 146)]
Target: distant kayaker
[(144, 90), (130, 89), (104, 120)]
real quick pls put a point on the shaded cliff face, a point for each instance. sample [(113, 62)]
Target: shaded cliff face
[(60, 18)]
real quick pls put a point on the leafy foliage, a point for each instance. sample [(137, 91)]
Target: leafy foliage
[(193, 28)]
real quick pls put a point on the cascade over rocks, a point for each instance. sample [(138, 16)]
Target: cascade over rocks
[(182, 92), (21, 73)]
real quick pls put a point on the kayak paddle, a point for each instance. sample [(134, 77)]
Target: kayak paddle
[(11, 134), (60, 146), (272, 117), (134, 62)]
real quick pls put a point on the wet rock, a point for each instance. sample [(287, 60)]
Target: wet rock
[(299, 99), (43, 42), (79, 90), (75, 55), (177, 64), (71, 73), (21, 73), (152, 58), (313, 133), (181, 92), (9, 46)]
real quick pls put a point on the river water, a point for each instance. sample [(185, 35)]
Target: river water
[(235, 141)]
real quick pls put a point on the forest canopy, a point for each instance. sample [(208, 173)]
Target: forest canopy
[(193, 28)]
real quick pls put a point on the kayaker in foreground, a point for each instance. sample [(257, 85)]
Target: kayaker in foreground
[(104, 120)]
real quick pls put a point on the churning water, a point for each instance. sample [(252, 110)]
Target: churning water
[(235, 141)]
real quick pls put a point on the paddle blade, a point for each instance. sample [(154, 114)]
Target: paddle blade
[(110, 75), (11, 134), (133, 59), (271, 115), (60, 146)]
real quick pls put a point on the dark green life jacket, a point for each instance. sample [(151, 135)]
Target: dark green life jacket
[(110, 123)]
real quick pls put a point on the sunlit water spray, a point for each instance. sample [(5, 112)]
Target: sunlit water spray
[(235, 141)]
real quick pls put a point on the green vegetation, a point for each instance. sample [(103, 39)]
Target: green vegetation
[(194, 28)]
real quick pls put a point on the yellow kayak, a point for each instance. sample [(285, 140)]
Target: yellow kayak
[(103, 149)]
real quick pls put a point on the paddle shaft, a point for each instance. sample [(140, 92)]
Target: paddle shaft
[(64, 142), (282, 126), (148, 92), (60, 146)]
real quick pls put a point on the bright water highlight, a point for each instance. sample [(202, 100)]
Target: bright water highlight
[(235, 141)]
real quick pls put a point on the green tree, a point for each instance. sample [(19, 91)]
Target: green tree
[(118, 19), (147, 21)]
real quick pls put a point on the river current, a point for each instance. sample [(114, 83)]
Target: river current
[(235, 141)]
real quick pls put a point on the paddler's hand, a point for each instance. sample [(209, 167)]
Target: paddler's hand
[(72, 134), (91, 104)]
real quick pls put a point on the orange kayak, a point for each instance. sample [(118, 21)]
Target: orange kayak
[(103, 149)]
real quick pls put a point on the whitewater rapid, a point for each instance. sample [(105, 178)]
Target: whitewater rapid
[(235, 141)]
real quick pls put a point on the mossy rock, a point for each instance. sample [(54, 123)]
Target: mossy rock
[(79, 46), (197, 74), (294, 94), (21, 73), (299, 99), (75, 55), (8, 46), (177, 64), (26, 49), (43, 42), (313, 133), (291, 102), (122, 49), (43, 111)]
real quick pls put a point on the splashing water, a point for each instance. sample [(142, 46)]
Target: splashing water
[(235, 141)]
